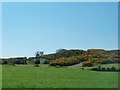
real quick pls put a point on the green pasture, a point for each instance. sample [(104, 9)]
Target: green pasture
[(0, 76), (28, 76)]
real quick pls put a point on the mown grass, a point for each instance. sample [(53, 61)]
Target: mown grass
[(27, 76), (0, 77)]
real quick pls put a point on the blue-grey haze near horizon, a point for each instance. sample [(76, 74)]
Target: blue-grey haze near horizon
[(29, 27)]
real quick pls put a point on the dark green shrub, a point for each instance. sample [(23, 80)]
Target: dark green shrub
[(108, 69), (5, 62), (103, 69), (113, 68), (37, 61), (36, 65), (99, 68), (46, 62)]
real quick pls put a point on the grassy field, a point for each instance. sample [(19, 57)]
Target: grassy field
[(0, 77), (27, 76)]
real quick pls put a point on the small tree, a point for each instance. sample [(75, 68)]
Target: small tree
[(37, 61), (37, 54), (41, 53)]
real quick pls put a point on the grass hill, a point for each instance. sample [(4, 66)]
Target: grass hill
[(72, 57), (88, 58)]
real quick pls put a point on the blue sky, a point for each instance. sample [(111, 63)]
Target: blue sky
[(29, 27), (0, 29)]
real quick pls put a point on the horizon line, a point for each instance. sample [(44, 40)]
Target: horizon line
[(55, 52)]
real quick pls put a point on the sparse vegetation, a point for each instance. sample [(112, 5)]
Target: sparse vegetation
[(106, 68)]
